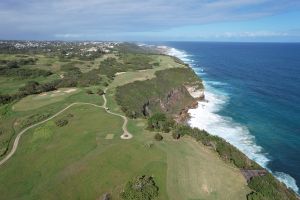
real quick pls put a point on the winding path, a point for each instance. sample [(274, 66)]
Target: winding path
[(125, 135)]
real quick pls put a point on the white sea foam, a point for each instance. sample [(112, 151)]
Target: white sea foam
[(287, 180), (206, 117)]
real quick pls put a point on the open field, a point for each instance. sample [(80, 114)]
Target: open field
[(195, 172), (10, 85), (165, 62), (77, 161), (86, 158), (39, 100), (13, 121)]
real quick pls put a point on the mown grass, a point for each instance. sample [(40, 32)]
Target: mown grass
[(12, 120), (39, 100), (76, 161), (165, 62), (195, 172)]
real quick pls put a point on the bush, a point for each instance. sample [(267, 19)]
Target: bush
[(24, 73), (160, 122), (89, 92), (226, 151), (158, 137), (142, 188), (61, 122), (12, 64), (175, 135), (34, 119), (268, 188), (100, 92), (146, 97), (107, 196)]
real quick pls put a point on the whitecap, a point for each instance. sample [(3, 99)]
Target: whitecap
[(206, 117), (289, 181)]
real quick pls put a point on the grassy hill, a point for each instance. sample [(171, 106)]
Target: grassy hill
[(77, 161), (79, 153)]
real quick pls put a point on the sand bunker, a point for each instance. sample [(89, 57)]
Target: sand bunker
[(119, 73), (109, 136), (70, 90)]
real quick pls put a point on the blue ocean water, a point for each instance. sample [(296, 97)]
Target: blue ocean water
[(258, 87)]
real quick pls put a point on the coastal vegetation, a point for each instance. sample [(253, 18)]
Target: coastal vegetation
[(159, 94), (141, 188)]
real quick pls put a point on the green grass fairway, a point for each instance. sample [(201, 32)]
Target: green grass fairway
[(166, 62), (195, 172), (86, 158), (36, 101), (76, 161)]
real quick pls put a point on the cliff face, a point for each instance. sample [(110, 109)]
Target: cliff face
[(175, 103), (172, 91)]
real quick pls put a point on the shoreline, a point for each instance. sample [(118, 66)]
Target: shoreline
[(206, 111)]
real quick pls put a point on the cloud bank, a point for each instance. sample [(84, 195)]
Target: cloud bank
[(105, 18)]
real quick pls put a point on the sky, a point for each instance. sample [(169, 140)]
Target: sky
[(151, 20)]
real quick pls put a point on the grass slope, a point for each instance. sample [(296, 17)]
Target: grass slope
[(77, 162), (195, 172)]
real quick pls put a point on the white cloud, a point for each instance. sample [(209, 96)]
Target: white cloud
[(251, 34), (76, 17)]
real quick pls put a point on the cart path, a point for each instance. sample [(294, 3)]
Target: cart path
[(125, 135)]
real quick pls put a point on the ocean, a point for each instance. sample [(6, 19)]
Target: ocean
[(253, 93)]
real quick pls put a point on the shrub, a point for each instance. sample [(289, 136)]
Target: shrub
[(100, 91), (107, 196), (12, 64), (158, 137), (146, 97), (268, 188), (175, 135), (142, 188), (34, 119), (159, 121), (89, 92), (226, 151), (24, 73), (61, 122)]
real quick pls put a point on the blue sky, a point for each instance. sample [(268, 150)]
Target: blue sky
[(151, 20)]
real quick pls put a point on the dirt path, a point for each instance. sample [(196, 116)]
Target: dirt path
[(125, 135)]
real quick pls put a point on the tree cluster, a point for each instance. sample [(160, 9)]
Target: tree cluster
[(61, 122), (160, 122), (141, 188)]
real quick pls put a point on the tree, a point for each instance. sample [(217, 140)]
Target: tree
[(176, 135), (30, 88), (158, 137), (141, 188), (61, 122), (160, 122), (100, 92), (12, 64), (89, 92)]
